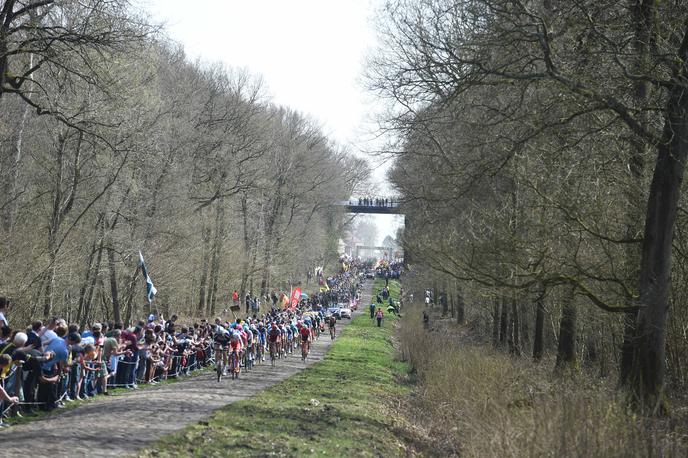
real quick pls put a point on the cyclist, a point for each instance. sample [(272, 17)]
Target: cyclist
[(262, 339), (222, 339), (249, 346), (283, 339), (294, 332), (274, 336), (235, 344), (305, 339), (256, 342), (331, 323), (290, 338)]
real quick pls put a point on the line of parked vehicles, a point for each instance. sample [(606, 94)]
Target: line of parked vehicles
[(340, 311)]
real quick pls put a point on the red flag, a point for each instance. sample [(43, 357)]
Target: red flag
[(295, 297)]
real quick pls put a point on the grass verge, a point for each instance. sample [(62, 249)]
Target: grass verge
[(394, 288), (334, 408)]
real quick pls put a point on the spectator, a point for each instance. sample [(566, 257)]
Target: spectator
[(379, 315), (4, 305), (170, 323), (235, 298), (127, 367), (49, 379), (5, 334), (5, 363), (112, 349), (75, 372), (34, 339)]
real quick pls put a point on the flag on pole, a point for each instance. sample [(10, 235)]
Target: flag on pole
[(150, 289), (295, 297)]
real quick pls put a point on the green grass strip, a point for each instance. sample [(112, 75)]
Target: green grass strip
[(333, 408), (394, 288)]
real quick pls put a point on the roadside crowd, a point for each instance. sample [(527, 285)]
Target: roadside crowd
[(52, 363), (56, 362)]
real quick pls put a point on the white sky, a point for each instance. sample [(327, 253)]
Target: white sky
[(310, 54)]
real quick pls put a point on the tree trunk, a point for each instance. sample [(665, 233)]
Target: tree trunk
[(649, 362), (61, 206), (525, 331), (129, 306), (566, 350), (217, 252), (49, 286), (87, 279), (205, 236), (627, 348), (503, 323), (113, 283), (515, 326), (271, 223), (460, 308), (495, 322), (643, 24), (245, 259), (11, 185), (539, 337), (91, 288)]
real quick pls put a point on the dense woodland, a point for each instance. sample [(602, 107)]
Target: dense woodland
[(112, 141), (541, 154)]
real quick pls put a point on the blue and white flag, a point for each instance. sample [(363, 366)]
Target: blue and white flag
[(150, 289)]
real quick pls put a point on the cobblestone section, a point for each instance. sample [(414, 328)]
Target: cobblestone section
[(122, 424)]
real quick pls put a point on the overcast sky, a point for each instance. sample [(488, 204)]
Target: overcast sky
[(310, 54)]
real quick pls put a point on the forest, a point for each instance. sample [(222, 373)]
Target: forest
[(113, 141), (540, 154)]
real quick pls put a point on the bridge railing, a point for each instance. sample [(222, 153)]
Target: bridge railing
[(372, 202)]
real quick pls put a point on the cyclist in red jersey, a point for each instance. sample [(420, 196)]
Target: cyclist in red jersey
[(305, 333)]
